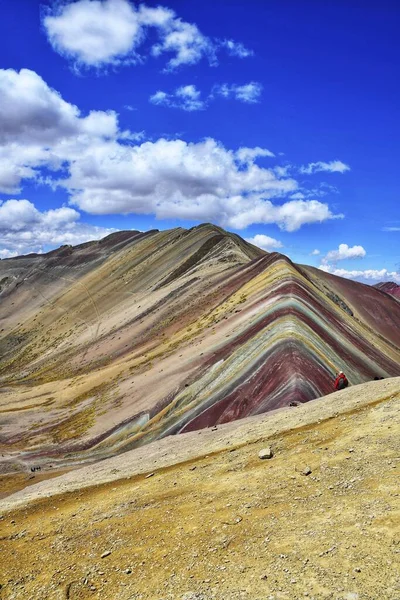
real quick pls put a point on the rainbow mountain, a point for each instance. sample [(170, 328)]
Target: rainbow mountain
[(112, 344)]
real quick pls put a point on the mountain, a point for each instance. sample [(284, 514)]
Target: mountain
[(390, 287), (109, 345)]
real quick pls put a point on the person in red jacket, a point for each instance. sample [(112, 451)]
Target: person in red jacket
[(341, 381)]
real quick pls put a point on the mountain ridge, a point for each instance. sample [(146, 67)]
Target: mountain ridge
[(119, 343)]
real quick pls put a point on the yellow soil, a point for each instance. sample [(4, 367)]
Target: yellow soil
[(228, 525)]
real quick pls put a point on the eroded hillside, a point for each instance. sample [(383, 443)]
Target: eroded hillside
[(113, 344)]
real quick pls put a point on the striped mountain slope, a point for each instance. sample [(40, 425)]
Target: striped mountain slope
[(112, 344)]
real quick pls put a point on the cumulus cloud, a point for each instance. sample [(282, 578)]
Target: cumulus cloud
[(176, 179), (344, 252), (108, 171), (24, 229), (315, 252), (366, 275), (186, 97), (96, 33), (249, 92), (13, 169), (334, 166), (38, 128), (32, 112), (265, 242)]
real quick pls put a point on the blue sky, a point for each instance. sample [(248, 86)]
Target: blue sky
[(276, 119)]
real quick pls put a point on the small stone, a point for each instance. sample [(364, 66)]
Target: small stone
[(357, 570), (128, 571), (149, 475), (265, 453), (306, 471), (106, 553), (263, 577)]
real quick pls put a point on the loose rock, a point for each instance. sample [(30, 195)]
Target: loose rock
[(265, 453)]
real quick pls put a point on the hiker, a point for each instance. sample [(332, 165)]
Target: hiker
[(341, 381)]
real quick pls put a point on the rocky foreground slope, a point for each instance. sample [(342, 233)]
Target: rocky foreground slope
[(201, 517), (112, 344)]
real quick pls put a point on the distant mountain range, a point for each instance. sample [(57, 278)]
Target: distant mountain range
[(389, 287), (108, 345)]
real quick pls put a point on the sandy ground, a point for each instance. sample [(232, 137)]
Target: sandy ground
[(202, 517)]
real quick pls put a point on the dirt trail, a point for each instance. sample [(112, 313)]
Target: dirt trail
[(214, 522)]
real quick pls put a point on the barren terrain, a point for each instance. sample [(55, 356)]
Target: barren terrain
[(201, 516)]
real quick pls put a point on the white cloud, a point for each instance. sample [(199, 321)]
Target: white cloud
[(7, 253), (334, 166), (187, 43), (265, 242), (248, 155), (160, 97), (284, 172), (37, 128), (186, 97), (31, 111), (367, 274), (249, 92), (93, 32), (390, 228), (97, 33), (344, 252), (24, 229), (13, 170), (108, 171), (236, 49), (175, 179), (315, 252)]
